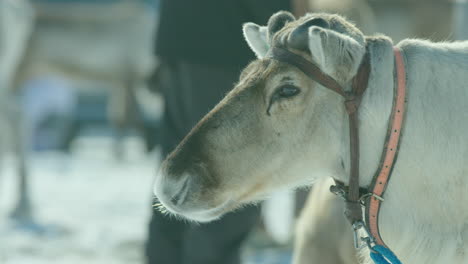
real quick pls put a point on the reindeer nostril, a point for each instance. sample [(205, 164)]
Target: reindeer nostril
[(179, 197)]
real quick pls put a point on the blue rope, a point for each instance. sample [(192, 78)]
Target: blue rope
[(383, 255)]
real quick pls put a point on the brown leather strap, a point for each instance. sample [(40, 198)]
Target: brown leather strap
[(353, 209), (353, 98), (307, 67), (390, 151)]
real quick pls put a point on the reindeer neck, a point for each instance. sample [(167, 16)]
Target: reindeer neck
[(374, 112)]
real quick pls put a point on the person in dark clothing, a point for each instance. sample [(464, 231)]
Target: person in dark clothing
[(202, 52), (209, 32)]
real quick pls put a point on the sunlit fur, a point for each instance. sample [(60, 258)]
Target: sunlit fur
[(16, 25), (238, 153), (322, 233)]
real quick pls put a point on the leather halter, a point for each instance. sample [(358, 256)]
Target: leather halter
[(390, 151), (352, 100), (353, 211)]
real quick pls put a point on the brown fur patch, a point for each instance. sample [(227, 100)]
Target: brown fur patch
[(252, 191)]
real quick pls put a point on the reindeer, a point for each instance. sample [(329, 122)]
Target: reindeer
[(108, 44), (105, 43), (398, 19), (16, 23), (279, 129), (322, 233)]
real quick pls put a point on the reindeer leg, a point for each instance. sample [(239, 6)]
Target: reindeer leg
[(135, 114), (3, 143), (119, 116), (117, 112), (125, 114), (23, 210)]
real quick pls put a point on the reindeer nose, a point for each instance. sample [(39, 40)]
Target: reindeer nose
[(176, 189)]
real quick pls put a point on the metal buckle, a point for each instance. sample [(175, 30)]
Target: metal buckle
[(363, 198), (338, 191), (368, 240)]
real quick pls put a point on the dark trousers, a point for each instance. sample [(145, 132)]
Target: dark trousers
[(190, 91)]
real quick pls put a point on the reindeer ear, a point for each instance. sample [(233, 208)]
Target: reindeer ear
[(298, 38), (256, 37), (316, 41), (277, 22), (334, 52)]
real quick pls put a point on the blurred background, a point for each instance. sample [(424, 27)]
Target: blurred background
[(84, 106)]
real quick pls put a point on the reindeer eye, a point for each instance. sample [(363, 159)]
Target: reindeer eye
[(287, 91)]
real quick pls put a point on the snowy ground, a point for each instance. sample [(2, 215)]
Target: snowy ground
[(93, 208)]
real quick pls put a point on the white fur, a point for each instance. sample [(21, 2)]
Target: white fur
[(16, 24), (424, 217), (256, 37), (315, 44), (322, 234)]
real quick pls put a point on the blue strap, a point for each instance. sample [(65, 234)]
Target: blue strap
[(383, 255)]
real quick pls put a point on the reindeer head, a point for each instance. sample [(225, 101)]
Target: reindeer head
[(276, 129)]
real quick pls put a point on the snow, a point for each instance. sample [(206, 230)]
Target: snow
[(93, 208)]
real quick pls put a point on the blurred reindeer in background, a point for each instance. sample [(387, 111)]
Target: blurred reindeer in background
[(16, 23), (106, 43), (399, 19), (109, 44)]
